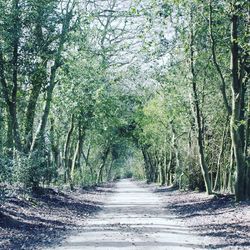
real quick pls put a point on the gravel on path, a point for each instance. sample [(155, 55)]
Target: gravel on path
[(134, 218)]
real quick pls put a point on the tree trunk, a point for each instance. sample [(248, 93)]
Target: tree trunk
[(168, 172), (163, 167), (66, 149), (30, 113), (81, 134), (38, 79), (104, 158), (14, 138), (176, 150), (231, 170), (247, 153), (217, 66), (54, 145), (200, 143), (217, 183), (86, 158), (152, 166), (73, 164), (146, 164), (236, 112), (52, 81)]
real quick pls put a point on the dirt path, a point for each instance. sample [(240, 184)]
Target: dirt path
[(134, 218)]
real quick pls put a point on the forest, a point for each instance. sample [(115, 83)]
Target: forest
[(117, 97), (93, 91)]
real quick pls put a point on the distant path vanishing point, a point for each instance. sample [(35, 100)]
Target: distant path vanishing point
[(133, 218)]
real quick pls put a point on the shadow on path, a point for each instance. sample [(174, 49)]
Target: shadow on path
[(45, 218), (217, 216)]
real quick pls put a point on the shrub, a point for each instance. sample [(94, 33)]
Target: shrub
[(32, 169)]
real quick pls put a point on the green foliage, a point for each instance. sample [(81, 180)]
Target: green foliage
[(33, 169), (88, 98)]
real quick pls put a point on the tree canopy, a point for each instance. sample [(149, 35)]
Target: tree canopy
[(97, 90)]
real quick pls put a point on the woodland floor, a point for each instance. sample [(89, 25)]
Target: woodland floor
[(33, 221), (129, 215), (226, 223)]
